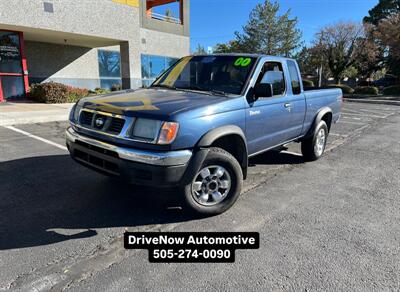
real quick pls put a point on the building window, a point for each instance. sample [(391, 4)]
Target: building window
[(12, 70), (109, 68), (153, 66), (10, 52)]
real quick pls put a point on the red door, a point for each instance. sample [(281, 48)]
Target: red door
[(13, 67)]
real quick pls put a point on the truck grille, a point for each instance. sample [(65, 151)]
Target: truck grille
[(100, 122), (116, 125), (86, 118)]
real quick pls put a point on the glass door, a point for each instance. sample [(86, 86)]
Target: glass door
[(13, 77)]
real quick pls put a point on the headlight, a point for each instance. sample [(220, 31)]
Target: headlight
[(154, 131), (146, 129)]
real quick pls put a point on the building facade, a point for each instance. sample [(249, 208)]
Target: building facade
[(89, 43)]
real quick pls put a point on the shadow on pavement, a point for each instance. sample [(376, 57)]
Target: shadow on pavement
[(40, 194), (276, 157)]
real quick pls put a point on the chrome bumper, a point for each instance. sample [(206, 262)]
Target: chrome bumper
[(170, 158)]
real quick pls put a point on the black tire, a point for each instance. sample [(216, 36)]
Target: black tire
[(308, 145), (216, 157)]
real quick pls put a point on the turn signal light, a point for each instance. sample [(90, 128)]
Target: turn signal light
[(168, 133)]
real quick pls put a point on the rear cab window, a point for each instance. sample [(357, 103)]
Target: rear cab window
[(294, 77)]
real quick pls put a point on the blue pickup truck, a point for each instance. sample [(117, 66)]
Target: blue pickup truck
[(197, 125)]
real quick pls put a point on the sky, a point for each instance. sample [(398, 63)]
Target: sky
[(215, 21)]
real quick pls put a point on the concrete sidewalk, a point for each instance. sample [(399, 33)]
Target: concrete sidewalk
[(27, 112)]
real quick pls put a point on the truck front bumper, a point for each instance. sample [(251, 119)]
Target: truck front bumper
[(159, 169)]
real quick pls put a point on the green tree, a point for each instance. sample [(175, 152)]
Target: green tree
[(372, 58), (169, 15), (382, 10), (384, 21), (310, 60), (266, 32), (388, 34), (340, 45), (200, 50), (231, 47)]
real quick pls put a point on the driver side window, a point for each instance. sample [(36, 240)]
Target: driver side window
[(272, 73)]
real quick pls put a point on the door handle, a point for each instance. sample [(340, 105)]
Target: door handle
[(287, 105)]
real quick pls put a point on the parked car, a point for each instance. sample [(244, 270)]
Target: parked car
[(386, 81), (200, 121)]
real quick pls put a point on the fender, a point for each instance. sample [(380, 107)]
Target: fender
[(213, 135), (220, 132), (317, 119)]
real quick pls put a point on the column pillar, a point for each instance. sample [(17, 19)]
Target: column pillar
[(125, 65)]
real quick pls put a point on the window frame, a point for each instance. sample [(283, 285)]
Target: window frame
[(261, 74), (294, 64)]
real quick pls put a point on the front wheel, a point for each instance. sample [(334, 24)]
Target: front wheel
[(312, 148), (217, 185)]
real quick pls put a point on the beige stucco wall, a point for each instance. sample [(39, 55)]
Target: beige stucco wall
[(73, 30), (164, 44)]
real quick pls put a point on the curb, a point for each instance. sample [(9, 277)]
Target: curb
[(54, 117), (373, 101)]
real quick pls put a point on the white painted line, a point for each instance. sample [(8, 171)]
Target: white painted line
[(364, 115), (353, 118), (354, 123), (37, 137), (376, 111), (291, 153), (338, 135)]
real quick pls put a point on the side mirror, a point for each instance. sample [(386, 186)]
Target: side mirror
[(263, 90)]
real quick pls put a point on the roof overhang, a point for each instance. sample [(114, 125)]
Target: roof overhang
[(59, 37), (155, 3)]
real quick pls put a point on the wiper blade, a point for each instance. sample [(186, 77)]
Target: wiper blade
[(219, 92), (210, 91), (164, 86)]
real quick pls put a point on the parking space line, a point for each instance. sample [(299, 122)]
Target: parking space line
[(351, 122), (339, 135), (364, 115), (388, 111), (37, 137), (291, 153), (353, 118)]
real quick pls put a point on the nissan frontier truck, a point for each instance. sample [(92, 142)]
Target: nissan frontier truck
[(195, 128)]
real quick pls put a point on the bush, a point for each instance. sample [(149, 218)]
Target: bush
[(366, 90), (99, 90), (345, 88), (308, 83), (392, 90), (116, 87), (75, 94), (50, 92)]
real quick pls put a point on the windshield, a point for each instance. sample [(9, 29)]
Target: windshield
[(224, 74)]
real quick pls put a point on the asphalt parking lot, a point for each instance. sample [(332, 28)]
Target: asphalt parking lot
[(327, 225)]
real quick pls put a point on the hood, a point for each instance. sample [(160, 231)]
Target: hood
[(154, 103)]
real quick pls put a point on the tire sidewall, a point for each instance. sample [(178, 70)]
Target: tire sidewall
[(219, 157), (321, 125)]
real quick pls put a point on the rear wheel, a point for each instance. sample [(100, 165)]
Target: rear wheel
[(312, 148), (217, 185)]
